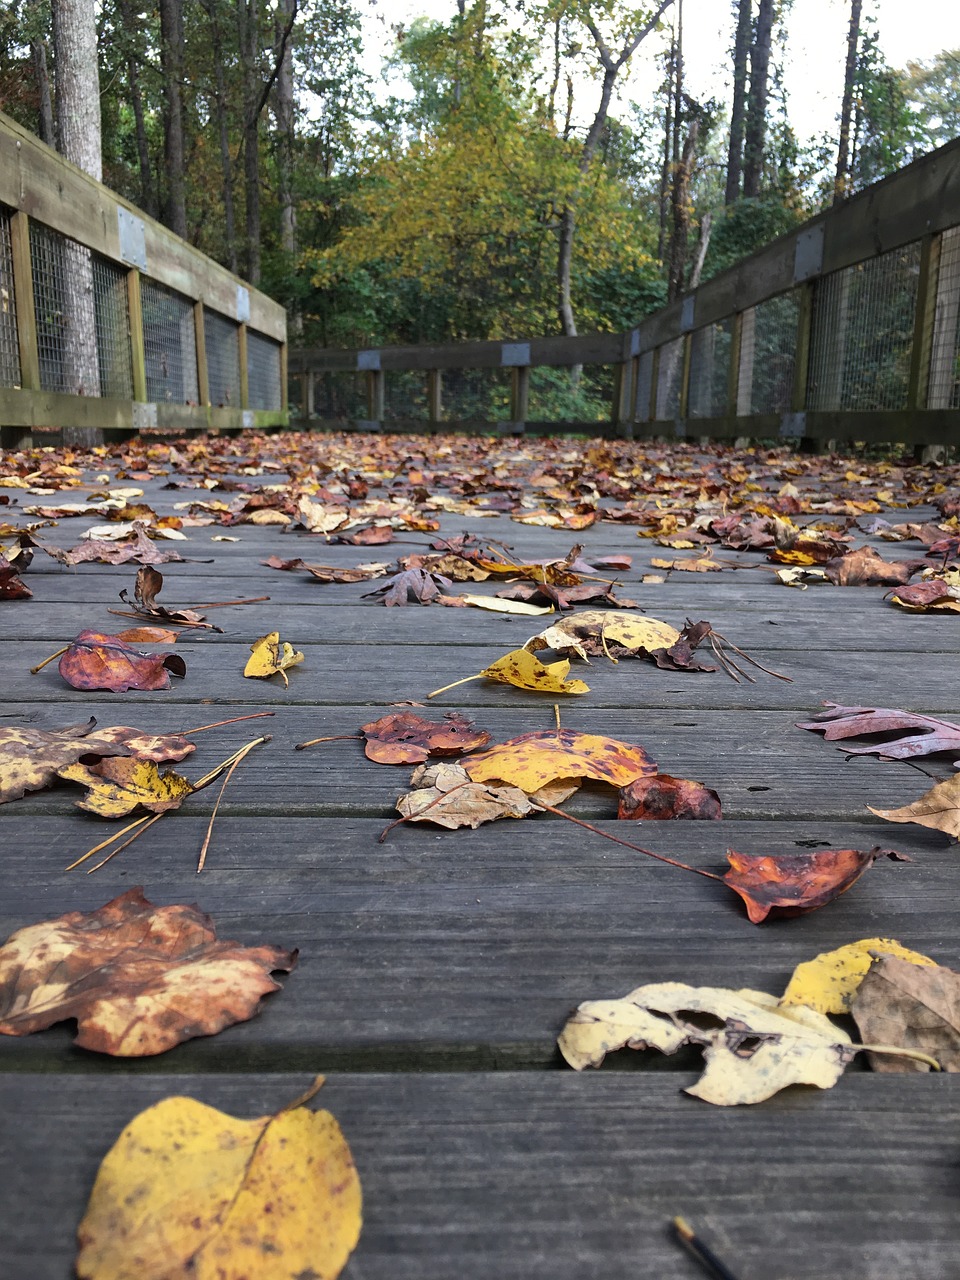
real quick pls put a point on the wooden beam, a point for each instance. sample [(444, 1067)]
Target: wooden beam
[(244, 368), (200, 335), (801, 365), (285, 380), (924, 318), (375, 395), (435, 395), (519, 393), (23, 294), (137, 350)]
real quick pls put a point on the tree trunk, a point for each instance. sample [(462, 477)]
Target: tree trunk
[(756, 123), (286, 118), (171, 60), (131, 21), (703, 244), (680, 208), (223, 134), (841, 183), (38, 52), (741, 50), (248, 26), (665, 166)]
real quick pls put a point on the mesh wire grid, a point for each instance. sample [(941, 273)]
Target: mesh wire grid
[(641, 404), (112, 310), (404, 395), (768, 353), (863, 333), (170, 345), (476, 395), (63, 300), (9, 345), (339, 395), (943, 389), (223, 359), (670, 379), (263, 372), (566, 395), (710, 370)]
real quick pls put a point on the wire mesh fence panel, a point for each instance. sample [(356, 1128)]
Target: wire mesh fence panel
[(9, 345), (63, 300), (862, 333), (641, 403), (339, 395), (476, 395), (169, 344), (768, 352), (670, 379), (710, 370), (580, 394), (943, 389), (404, 394), (112, 310), (263, 372), (223, 359)]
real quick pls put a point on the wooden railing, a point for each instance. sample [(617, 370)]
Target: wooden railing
[(110, 322), (845, 328)]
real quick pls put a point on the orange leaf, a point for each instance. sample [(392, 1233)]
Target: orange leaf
[(796, 883)]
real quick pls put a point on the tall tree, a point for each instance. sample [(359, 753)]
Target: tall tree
[(842, 179), (755, 128), (174, 162), (78, 84), (738, 109)]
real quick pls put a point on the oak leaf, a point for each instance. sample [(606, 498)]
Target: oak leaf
[(760, 1049), (830, 981), (931, 737), (938, 808), (406, 738), (446, 795), (138, 978), (95, 660), (118, 785), (270, 657), (794, 884), (662, 797), (912, 1007), (534, 759)]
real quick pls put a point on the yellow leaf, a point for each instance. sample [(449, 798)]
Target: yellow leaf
[(532, 760), (938, 808), (830, 981), (187, 1191), (522, 669), (268, 657), (591, 631), (508, 606), (119, 784)]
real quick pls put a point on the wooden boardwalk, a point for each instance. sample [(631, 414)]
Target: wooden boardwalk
[(436, 969)]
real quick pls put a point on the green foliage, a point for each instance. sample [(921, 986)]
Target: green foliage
[(746, 226)]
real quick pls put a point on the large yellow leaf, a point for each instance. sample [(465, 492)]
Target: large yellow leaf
[(830, 981), (120, 784), (268, 657), (188, 1193), (534, 759), (522, 669), (938, 808), (600, 631)]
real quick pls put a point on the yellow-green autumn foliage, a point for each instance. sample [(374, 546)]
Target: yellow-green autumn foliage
[(466, 203)]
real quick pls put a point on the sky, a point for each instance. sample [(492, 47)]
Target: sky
[(909, 30)]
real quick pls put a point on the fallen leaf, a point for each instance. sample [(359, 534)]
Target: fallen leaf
[(605, 631), (801, 578), (98, 661), (30, 758), (405, 738), (137, 978), (760, 1049), (189, 1191), (932, 596), (521, 669), (141, 549), (446, 795), (938, 808), (867, 568), (910, 1007), (148, 584), (268, 657), (793, 884), (830, 981), (662, 797), (119, 785), (411, 584), (12, 586), (534, 759), (692, 564), (496, 604), (839, 723)]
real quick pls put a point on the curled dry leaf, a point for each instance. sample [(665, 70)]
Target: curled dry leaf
[(189, 1191), (119, 785), (30, 758), (496, 604), (12, 586), (137, 978), (932, 596), (866, 568), (760, 1049), (532, 760), (98, 661), (662, 797), (147, 587), (931, 737), (411, 584), (141, 550), (938, 808), (406, 738), (912, 1007), (268, 657), (794, 884), (606, 632), (445, 794), (830, 981)]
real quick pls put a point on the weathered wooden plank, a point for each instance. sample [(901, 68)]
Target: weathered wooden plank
[(552, 1178)]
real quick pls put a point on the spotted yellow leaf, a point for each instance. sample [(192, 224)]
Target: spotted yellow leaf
[(830, 981), (525, 671)]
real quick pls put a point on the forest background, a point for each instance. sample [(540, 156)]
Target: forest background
[(507, 188)]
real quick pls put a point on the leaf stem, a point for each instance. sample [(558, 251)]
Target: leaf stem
[(914, 1054), (104, 843), (225, 764), (465, 680), (336, 737), (219, 723), (41, 665)]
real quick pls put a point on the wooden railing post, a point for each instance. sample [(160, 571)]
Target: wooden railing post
[(284, 377), (654, 385), (23, 293), (923, 322), (138, 355), (620, 408), (801, 366), (244, 369), (200, 335), (519, 393), (684, 405), (376, 399), (435, 395)]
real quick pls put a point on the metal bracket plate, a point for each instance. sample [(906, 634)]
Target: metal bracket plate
[(132, 233), (808, 254), (368, 361), (514, 355), (243, 305)]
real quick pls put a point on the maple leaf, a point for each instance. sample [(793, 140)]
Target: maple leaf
[(141, 549), (792, 885), (269, 657), (406, 738), (838, 723), (30, 758), (411, 584), (137, 978), (662, 797), (534, 759), (188, 1190), (12, 586), (119, 785), (938, 808), (602, 631), (446, 795), (148, 584), (98, 661), (913, 1007)]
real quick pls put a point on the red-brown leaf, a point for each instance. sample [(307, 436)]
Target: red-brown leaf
[(405, 738), (663, 798), (98, 661), (793, 884)]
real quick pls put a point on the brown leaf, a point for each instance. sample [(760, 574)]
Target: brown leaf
[(147, 588), (663, 797), (910, 1006), (938, 808), (30, 758), (411, 584), (373, 535), (141, 550), (405, 738), (138, 979), (793, 884), (12, 586), (867, 568), (838, 723), (932, 596), (444, 794), (98, 661)]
